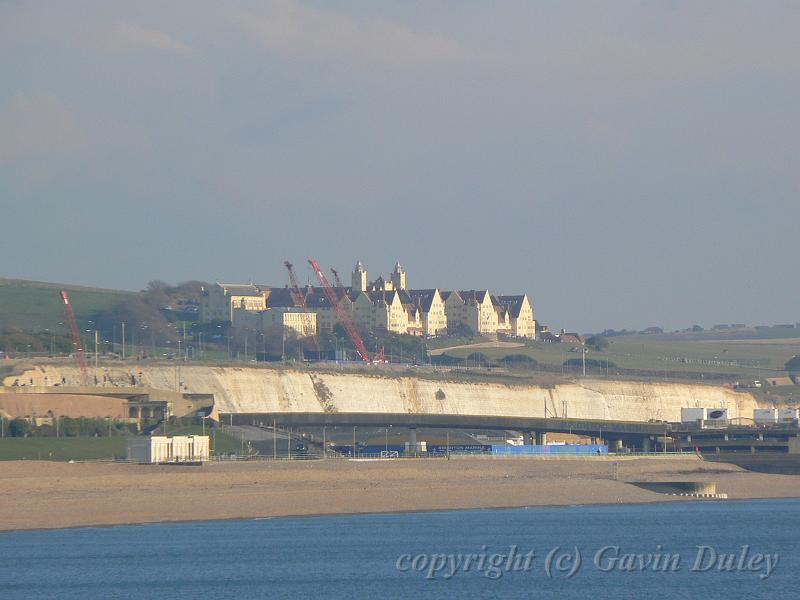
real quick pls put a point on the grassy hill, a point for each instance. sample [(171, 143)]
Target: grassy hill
[(36, 305), (660, 356)]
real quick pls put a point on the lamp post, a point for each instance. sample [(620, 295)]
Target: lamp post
[(583, 359)]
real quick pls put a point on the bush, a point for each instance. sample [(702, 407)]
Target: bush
[(446, 360), (590, 363), (793, 364), (520, 361), (479, 359), (597, 342), (19, 428)]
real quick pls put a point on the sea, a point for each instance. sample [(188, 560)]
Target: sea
[(704, 549)]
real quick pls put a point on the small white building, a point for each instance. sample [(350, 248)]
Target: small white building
[(163, 448)]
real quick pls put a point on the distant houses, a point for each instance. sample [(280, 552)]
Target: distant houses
[(382, 304)]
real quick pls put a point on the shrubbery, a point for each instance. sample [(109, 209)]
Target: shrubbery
[(70, 427)]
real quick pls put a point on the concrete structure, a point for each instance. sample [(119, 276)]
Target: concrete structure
[(220, 300), (167, 449), (780, 438), (399, 278), (302, 323), (116, 400), (359, 279), (381, 304)]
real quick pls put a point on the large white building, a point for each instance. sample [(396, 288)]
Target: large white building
[(383, 304), (390, 305)]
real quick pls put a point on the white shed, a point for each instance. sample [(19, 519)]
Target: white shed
[(163, 448)]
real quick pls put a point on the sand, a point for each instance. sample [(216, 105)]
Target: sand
[(39, 494)]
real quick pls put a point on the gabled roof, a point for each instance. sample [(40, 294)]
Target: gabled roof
[(240, 289), (280, 298), (314, 296), (473, 295), (512, 303), (446, 295), (382, 296), (423, 298)]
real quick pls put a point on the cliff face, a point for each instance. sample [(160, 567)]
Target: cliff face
[(254, 390)]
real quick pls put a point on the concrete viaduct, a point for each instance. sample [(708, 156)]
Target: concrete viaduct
[(630, 434)]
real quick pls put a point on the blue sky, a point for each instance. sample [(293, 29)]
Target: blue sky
[(624, 163)]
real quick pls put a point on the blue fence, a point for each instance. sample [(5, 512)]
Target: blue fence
[(581, 449)]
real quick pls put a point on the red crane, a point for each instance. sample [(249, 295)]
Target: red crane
[(300, 300), (297, 296), (341, 313), (77, 346), (339, 286)]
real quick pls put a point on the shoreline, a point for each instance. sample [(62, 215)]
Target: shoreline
[(43, 495), (393, 512)]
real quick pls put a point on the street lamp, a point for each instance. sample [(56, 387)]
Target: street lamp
[(583, 357)]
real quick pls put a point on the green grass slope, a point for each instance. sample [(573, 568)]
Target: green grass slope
[(36, 305), (745, 359)]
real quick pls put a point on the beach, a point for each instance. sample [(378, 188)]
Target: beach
[(41, 494)]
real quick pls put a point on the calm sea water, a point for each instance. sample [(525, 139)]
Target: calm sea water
[(357, 556)]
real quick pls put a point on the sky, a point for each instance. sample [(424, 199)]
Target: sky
[(626, 164)]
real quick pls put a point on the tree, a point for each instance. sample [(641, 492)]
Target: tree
[(478, 359), (598, 343), (793, 364), (19, 428)]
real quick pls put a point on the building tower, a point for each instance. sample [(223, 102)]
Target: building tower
[(359, 278), (399, 277)]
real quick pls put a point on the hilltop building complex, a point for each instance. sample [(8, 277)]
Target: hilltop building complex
[(383, 304)]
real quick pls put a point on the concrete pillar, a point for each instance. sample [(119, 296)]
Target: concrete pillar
[(412, 438), (541, 438), (617, 445), (646, 444)]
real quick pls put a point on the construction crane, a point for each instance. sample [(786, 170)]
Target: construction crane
[(341, 313), (380, 357), (294, 291), (77, 346), (339, 285), (299, 300)]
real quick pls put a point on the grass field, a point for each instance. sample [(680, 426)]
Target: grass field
[(90, 448), (45, 448), (35, 306), (748, 359)]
